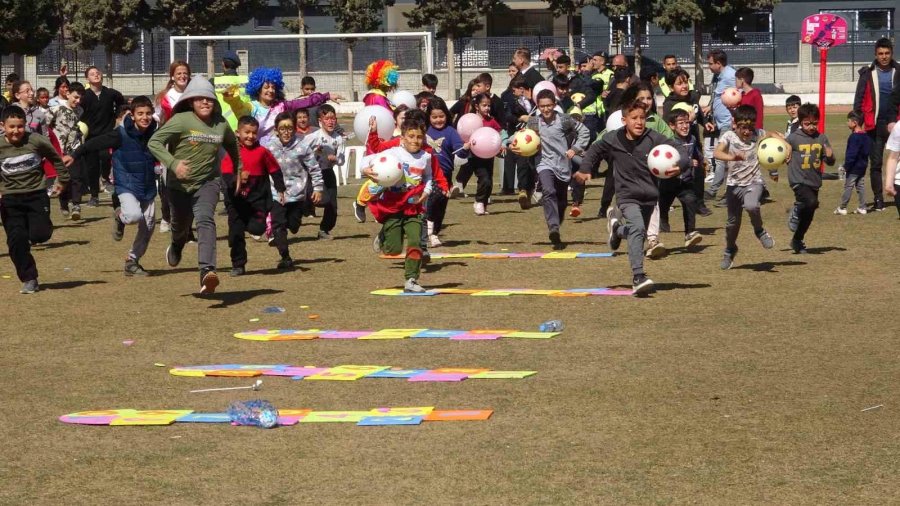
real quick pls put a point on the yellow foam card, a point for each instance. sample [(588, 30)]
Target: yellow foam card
[(387, 291), (294, 412), (502, 375), (502, 332), (151, 417), (103, 412), (191, 373), (570, 294), (529, 291), (455, 290), (459, 255), (402, 411), (491, 293), (334, 416), (392, 334), (533, 335), (234, 373), (347, 373), (562, 255)]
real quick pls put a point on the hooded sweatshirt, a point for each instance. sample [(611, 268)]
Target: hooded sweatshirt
[(132, 163), (298, 167), (633, 181), (186, 137)]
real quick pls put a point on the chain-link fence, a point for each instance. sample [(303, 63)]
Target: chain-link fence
[(775, 57)]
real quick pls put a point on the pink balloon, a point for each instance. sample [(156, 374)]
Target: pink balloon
[(485, 142), (467, 124), (543, 85)]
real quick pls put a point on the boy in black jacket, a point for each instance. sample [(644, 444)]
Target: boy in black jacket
[(636, 191), (682, 186)]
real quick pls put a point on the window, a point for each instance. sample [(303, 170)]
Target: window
[(866, 25), (627, 25), (521, 23), (265, 19)]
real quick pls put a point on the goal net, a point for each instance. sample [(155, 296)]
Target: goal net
[(323, 56)]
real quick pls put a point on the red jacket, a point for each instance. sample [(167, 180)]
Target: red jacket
[(754, 99), (375, 144), (867, 94)]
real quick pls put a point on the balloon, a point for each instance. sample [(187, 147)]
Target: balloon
[(485, 142), (405, 98), (467, 124), (543, 85), (383, 119), (614, 121)]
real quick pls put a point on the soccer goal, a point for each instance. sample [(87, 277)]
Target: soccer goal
[(330, 58)]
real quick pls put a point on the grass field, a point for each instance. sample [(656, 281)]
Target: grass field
[(743, 386)]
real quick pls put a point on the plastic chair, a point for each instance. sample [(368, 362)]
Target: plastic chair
[(358, 152)]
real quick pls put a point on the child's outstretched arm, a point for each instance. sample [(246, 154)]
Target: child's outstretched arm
[(890, 172), (315, 174), (721, 153), (237, 104), (592, 158), (108, 140)]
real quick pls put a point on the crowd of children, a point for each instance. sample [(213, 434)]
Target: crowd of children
[(276, 163)]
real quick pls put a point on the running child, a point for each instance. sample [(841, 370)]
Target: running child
[(483, 168), (25, 207), (374, 144), (134, 171), (627, 149), (64, 119), (249, 199), (329, 147), (446, 145), (808, 149), (682, 186), (744, 189), (562, 139), (856, 160), (188, 146), (399, 209), (300, 171)]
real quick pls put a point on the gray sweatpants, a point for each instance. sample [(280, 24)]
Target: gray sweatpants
[(720, 168), (198, 207), (857, 182), (740, 199), (143, 213), (636, 218), (554, 199)]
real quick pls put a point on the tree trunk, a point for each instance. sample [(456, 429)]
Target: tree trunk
[(698, 55), (570, 28), (109, 65), (210, 60), (451, 68), (350, 72), (302, 42)]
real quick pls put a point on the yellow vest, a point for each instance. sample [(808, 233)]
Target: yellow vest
[(221, 84), (597, 107), (664, 88)]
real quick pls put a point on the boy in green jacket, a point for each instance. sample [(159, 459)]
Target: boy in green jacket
[(188, 145)]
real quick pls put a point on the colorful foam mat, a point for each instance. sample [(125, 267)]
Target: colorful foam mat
[(371, 417), (555, 255), (505, 292), (453, 335), (345, 372)]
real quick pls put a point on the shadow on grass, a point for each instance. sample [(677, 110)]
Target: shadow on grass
[(65, 285), (54, 245), (166, 272), (769, 266), (823, 249), (665, 287), (274, 270), (707, 231), (451, 244), (693, 249), (80, 223), (227, 299), (437, 266)]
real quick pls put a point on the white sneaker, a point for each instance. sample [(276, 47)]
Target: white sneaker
[(536, 198), (456, 191), (376, 243), (164, 226), (434, 241), (861, 210), (479, 209), (655, 250), (412, 286), (841, 211)]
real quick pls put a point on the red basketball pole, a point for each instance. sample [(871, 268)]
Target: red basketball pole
[(823, 72)]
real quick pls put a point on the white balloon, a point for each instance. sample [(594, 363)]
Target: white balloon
[(404, 97), (384, 121), (614, 121)]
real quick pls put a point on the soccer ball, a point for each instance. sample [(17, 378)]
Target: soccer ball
[(731, 97), (663, 161), (387, 169), (84, 129), (527, 141), (771, 153)]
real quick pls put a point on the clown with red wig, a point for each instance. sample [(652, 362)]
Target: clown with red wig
[(381, 77)]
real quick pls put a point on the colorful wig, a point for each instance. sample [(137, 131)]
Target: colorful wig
[(382, 74), (261, 76)]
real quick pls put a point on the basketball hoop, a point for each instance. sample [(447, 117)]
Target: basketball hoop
[(824, 31), (824, 43)]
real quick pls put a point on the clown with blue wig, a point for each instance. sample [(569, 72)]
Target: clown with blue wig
[(265, 90)]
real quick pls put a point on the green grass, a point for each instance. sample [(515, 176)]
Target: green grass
[(725, 387)]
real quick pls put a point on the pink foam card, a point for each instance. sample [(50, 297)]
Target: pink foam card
[(402, 411), (339, 334), (87, 420), (471, 336), (433, 376), (296, 371), (526, 255)]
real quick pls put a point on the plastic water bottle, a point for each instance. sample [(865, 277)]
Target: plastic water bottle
[(256, 412), (551, 326)]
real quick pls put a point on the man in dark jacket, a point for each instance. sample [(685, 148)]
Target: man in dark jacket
[(878, 98), (522, 60), (101, 109)]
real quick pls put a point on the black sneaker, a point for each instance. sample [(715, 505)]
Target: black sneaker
[(76, 212), (704, 211), (728, 260), (93, 202), (30, 286), (285, 263), (722, 203), (602, 212), (237, 271), (209, 280), (879, 206), (798, 246), (665, 227), (641, 285), (118, 229), (556, 240), (793, 219), (359, 212), (133, 268), (173, 255), (612, 226)]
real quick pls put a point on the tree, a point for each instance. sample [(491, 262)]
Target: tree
[(642, 10), (28, 26), (356, 16), (721, 15), (567, 8), (298, 25), (452, 19), (114, 24), (207, 17)]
